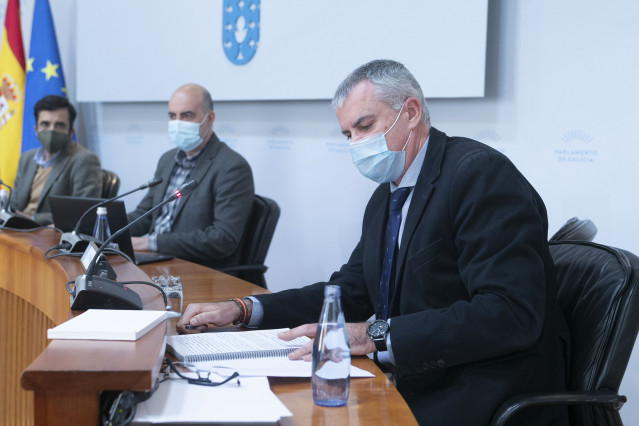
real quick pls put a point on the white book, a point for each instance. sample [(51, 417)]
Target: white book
[(108, 324), (230, 345)]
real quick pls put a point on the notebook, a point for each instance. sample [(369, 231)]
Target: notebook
[(231, 345), (66, 211)]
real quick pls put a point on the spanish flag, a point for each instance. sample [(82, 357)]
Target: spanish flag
[(11, 92)]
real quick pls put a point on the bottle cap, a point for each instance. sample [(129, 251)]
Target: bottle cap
[(332, 290), (102, 210)]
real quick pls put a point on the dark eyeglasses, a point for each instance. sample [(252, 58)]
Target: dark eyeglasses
[(219, 374)]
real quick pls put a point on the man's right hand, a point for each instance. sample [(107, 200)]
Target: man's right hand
[(198, 315)]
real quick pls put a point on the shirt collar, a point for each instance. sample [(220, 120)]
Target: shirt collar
[(185, 161), (412, 173), (39, 158)]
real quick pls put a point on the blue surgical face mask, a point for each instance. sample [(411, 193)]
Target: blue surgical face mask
[(185, 134), (374, 160)]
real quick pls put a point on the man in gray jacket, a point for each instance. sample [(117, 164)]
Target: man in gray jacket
[(59, 167), (206, 226)]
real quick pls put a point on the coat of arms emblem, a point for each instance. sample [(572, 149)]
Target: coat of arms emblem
[(240, 29)]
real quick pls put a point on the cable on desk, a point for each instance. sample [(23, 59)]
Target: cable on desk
[(166, 302)]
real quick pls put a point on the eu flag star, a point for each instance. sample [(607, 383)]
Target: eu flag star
[(50, 70), (30, 64)]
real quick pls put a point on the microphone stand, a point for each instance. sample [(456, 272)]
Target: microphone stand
[(100, 292), (10, 220)]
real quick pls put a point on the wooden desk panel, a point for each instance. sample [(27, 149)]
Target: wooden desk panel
[(32, 300), (67, 376)]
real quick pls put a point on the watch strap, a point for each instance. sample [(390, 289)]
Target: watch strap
[(380, 344)]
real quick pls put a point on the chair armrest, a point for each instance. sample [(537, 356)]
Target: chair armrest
[(602, 398)]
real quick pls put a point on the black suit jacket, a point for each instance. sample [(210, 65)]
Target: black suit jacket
[(209, 223), (76, 171), (474, 316)]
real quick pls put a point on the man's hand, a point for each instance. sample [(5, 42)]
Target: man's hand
[(140, 243), (198, 315), (359, 341)]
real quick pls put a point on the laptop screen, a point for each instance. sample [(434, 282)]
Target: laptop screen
[(66, 211)]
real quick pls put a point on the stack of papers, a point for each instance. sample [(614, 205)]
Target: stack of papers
[(273, 367), (176, 401), (255, 355)]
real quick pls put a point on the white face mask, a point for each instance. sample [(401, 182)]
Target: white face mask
[(374, 160), (185, 134)]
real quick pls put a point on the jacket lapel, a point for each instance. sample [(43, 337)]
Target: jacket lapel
[(24, 190), (166, 168), (201, 168), (57, 168), (430, 172)]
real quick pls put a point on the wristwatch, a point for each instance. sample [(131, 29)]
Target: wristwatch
[(377, 331)]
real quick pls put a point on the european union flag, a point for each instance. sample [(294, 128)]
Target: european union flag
[(44, 70)]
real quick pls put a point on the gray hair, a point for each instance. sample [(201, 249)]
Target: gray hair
[(393, 85)]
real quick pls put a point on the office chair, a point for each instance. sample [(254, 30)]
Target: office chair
[(576, 230), (256, 241), (597, 291), (110, 184)]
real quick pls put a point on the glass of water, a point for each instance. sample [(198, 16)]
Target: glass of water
[(174, 295), (172, 287)]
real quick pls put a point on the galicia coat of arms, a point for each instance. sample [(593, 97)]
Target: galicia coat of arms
[(240, 29)]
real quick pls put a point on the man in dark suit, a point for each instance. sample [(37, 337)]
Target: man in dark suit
[(59, 167), (465, 312), (205, 227)]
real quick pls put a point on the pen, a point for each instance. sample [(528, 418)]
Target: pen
[(188, 327)]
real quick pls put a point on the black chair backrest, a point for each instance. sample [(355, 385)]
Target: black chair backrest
[(257, 240), (576, 229), (261, 228), (110, 184), (597, 292)]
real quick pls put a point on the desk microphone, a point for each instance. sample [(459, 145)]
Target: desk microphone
[(78, 242), (9, 197), (96, 291), (10, 220)]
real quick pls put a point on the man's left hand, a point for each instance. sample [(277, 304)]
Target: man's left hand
[(359, 341)]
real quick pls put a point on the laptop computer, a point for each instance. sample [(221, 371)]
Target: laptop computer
[(66, 211)]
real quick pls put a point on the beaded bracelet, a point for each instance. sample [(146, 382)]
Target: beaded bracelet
[(243, 311)]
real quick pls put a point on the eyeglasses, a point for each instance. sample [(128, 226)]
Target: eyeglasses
[(215, 376)]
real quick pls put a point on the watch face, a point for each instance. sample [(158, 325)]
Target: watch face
[(378, 329)]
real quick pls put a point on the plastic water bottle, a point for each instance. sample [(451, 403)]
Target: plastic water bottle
[(330, 382), (4, 199), (101, 231)]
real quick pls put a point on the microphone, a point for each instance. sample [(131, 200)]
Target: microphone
[(10, 192), (10, 220), (93, 291), (78, 242)]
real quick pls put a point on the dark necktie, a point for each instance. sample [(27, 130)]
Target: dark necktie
[(386, 284)]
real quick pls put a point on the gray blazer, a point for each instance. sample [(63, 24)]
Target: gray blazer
[(76, 171), (209, 223)]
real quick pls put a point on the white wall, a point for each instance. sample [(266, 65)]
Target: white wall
[(561, 102), (154, 47)]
